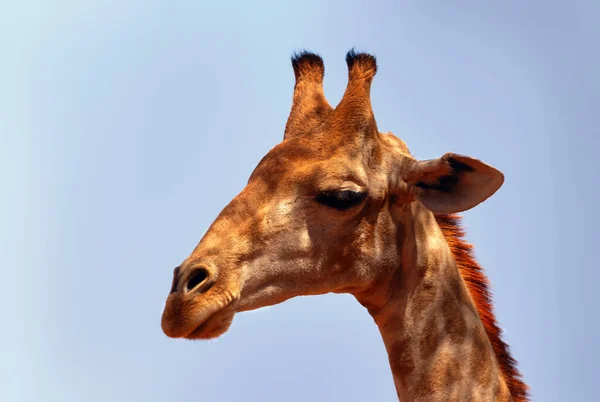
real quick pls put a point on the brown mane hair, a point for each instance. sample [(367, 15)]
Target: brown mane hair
[(479, 287)]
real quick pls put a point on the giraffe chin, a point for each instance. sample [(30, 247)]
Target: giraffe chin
[(215, 326)]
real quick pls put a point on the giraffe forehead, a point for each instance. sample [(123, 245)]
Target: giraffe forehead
[(318, 170)]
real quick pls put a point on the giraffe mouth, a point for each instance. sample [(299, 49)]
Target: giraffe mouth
[(215, 325)]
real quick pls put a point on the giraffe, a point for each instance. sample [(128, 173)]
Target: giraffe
[(339, 207)]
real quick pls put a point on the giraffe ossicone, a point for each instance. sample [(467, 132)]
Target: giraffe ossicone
[(340, 207)]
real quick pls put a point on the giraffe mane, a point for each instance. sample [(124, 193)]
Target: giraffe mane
[(479, 288)]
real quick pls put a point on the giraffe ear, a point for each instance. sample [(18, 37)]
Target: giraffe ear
[(454, 183)]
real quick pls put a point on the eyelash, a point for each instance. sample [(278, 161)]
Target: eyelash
[(340, 200)]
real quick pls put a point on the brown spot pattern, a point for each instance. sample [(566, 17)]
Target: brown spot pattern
[(401, 359)]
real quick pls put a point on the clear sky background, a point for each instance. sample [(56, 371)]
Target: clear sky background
[(127, 125)]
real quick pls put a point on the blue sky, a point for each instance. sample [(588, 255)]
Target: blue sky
[(127, 125)]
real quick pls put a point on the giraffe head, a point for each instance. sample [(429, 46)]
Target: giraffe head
[(322, 212)]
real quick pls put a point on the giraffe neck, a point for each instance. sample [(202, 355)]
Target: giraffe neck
[(436, 343)]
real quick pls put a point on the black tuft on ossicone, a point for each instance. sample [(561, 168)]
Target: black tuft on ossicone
[(305, 62), (364, 60)]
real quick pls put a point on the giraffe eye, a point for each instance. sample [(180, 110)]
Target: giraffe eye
[(340, 199)]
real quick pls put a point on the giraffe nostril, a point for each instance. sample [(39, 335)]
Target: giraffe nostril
[(198, 277), (175, 280)]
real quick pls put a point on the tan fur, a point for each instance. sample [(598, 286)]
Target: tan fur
[(284, 236)]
